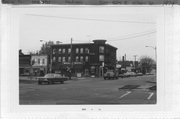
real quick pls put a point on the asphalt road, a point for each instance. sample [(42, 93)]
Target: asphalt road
[(133, 90)]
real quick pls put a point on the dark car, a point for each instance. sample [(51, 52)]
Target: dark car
[(111, 74), (52, 78)]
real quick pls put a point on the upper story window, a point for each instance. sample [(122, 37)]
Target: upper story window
[(43, 61), (69, 59), (81, 59), (77, 50), (86, 59), (54, 51), (64, 50), (86, 50), (60, 51), (54, 59), (38, 61), (69, 50), (101, 49), (77, 59), (64, 59), (101, 57), (81, 50), (59, 59)]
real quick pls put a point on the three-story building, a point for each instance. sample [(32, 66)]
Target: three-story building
[(85, 58)]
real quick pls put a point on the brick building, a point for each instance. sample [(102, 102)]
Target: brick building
[(87, 58)]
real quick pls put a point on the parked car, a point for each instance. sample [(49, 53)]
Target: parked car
[(111, 74), (52, 78)]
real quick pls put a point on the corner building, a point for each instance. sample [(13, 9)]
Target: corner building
[(87, 59)]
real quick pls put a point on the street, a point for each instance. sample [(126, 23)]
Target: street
[(132, 90)]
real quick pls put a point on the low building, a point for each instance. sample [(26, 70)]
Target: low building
[(39, 64), (85, 58), (24, 64)]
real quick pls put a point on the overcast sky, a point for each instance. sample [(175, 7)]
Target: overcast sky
[(129, 30)]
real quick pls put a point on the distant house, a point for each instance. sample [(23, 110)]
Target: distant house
[(39, 64)]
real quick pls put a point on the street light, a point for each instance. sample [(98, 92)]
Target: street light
[(154, 47), (154, 50)]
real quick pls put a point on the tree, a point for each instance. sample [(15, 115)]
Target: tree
[(146, 64), (45, 48)]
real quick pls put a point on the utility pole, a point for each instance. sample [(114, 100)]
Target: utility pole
[(71, 61)]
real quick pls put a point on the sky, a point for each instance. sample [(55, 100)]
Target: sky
[(128, 30)]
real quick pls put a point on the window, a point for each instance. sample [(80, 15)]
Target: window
[(59, 59), (101, 49), (77, 59), (86, 50), (60, 51), (64, 50), (43, 61), (86, 58), (69, 59), (77, 50), (64, 59), (69, 50), (81, 50), (38, 61), (54, 59), (54, 51), (101, 57), (81, 58)]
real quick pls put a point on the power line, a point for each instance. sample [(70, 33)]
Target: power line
[(90, 19), (134, 36)]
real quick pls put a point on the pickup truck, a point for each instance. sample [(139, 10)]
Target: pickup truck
[(51, 78)]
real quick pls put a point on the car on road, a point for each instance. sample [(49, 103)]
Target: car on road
[(110, 74), (52, 78)]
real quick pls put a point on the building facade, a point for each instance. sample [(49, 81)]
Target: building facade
[(24, 64), (39, 64), (83, 58)]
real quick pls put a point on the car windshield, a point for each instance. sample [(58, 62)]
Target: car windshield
[(52, 76)]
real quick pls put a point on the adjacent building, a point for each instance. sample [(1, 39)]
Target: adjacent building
[(24, 64), (83, 58), (39, 64)]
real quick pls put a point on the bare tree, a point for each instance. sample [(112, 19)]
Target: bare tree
[(146, 64), (45, 48)]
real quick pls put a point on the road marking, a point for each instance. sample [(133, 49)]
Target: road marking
[(151, 94), (127, 93)]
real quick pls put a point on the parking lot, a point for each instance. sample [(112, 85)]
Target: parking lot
[(131, 90)]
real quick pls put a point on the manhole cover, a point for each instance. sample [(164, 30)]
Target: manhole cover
[(129, 87)]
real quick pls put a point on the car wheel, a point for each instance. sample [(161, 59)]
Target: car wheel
[(62, 82)]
